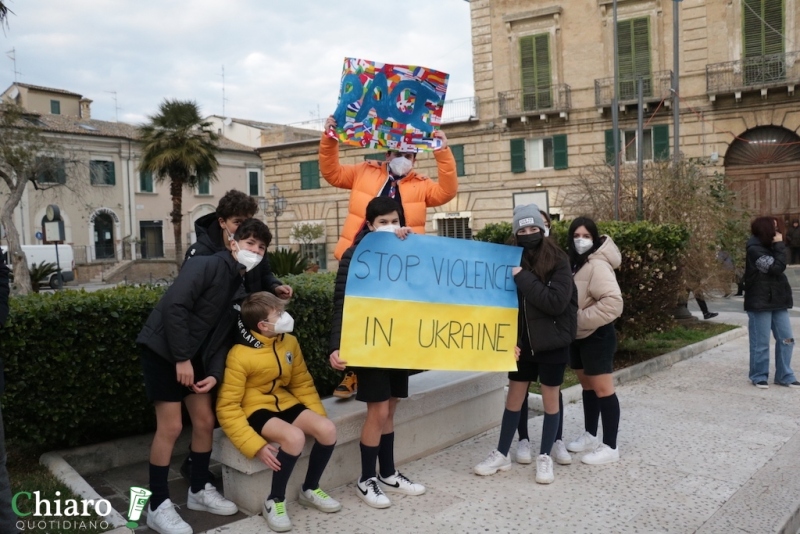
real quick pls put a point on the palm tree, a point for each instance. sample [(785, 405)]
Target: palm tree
[(179, 145)]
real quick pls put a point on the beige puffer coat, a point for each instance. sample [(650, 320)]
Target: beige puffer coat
[(599, 296)]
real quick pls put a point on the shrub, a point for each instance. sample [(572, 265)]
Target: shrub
[(285, 262), (495, 233), (72, 368)]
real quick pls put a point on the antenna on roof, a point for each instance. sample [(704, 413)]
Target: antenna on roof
[(116, 107), (12, 55), (223, 92)]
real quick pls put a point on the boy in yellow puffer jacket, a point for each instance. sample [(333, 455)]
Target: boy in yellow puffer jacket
[(268, 398)]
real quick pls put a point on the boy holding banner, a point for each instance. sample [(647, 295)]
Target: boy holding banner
[(379, 388)]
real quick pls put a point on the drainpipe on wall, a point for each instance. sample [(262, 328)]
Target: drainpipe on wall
[(131, 207)]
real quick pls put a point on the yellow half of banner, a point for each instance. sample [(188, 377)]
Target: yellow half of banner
[(422, 335)]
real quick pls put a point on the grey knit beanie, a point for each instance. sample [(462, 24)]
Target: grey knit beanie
[(527, 215)]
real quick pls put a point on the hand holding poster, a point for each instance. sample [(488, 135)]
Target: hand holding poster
[(430, 303), (394, 107)]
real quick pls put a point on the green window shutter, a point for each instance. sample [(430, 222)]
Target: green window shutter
[(252, 177), (203, 185), (560, 152), (762, 27), (145, 181), (380, 156), (309, 175), (535, 71), (458, 154), (517, 155), (61, 172), (633, 48), (111, 176), (55, 107), (661, 142), (610, 146)]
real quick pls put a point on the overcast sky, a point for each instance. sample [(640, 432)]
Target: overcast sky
[(283, 58)]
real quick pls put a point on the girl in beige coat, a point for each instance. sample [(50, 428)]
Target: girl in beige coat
[(594, 259)]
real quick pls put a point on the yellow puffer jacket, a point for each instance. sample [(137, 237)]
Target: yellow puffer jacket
[(272, 377)]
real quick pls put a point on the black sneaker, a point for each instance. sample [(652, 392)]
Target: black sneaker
[(710, 315), (794, 384), (186, 471), (762, 384)]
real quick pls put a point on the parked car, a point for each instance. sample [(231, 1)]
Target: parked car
[(40, 254)]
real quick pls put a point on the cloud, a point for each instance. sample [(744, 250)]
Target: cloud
[(282, 60)]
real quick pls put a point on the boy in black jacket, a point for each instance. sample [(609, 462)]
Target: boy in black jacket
[(379, 388), (183, 347)]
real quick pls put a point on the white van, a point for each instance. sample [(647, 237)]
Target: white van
[(39, 254)]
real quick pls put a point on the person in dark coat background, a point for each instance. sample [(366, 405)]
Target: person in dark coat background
[(793, 241), (8, 519), (767, 301)]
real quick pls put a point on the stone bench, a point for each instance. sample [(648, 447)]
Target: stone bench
[(443, 408)]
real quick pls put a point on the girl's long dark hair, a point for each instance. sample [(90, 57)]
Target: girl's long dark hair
[(544, 259), (763, 228), (576, 259)]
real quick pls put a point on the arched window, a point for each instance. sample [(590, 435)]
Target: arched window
[(764, 145)]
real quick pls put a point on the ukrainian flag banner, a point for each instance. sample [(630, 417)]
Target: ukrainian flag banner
[(430, 303)]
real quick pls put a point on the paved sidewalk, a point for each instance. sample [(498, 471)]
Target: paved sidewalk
[(702, 450)]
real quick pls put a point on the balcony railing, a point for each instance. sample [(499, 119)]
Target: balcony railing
[(656, 86), (753, 73), (552, 99)]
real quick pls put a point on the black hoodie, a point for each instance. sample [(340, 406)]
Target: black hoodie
[(766, 285), (209, 241)]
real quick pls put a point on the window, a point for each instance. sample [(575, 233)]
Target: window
[(457, 227), (762, 29), (50, 170), (655, 144), (253, 183), (458, 154), (55, 107), (315, 254), (309, 175), (633, 42), (538, 154), (151, 233), (102, 172), (145, 182), (203, 185), (534, 63)]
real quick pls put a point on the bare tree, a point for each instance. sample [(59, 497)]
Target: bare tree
[(26, 156)]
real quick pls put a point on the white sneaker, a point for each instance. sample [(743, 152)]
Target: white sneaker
[(276, 516), (544, 469), (398, 483), (209, 500), (586, 442), (559, 453), (493, 463), (523, 455), (603, 454), (372, 494), (320, 500), (165, 520)]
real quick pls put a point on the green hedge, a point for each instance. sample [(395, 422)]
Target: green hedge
[(72, 369)]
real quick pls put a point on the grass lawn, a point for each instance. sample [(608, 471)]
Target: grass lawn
[(28, 475), (633, 351)]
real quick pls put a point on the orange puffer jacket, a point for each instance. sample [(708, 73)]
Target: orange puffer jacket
[(366, 180)]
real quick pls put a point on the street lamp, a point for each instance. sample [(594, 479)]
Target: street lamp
[(274, 208)]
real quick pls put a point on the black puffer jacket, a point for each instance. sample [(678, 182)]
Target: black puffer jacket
[(548, 316), (338, 291), (766, 285), (196, 315), (209, 241)]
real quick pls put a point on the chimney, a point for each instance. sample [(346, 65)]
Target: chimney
[(86, 110)]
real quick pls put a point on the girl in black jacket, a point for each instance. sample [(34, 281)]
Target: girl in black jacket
[(767, 302), (547, 324)]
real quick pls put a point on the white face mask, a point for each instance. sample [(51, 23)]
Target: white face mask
[(247, 258), (582, 244), (284, 324), (400, 166), (388, 228)]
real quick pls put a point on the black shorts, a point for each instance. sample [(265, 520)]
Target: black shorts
[(595, 354), (378, 385), (161, 379), (259, 418), (548, 374)]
